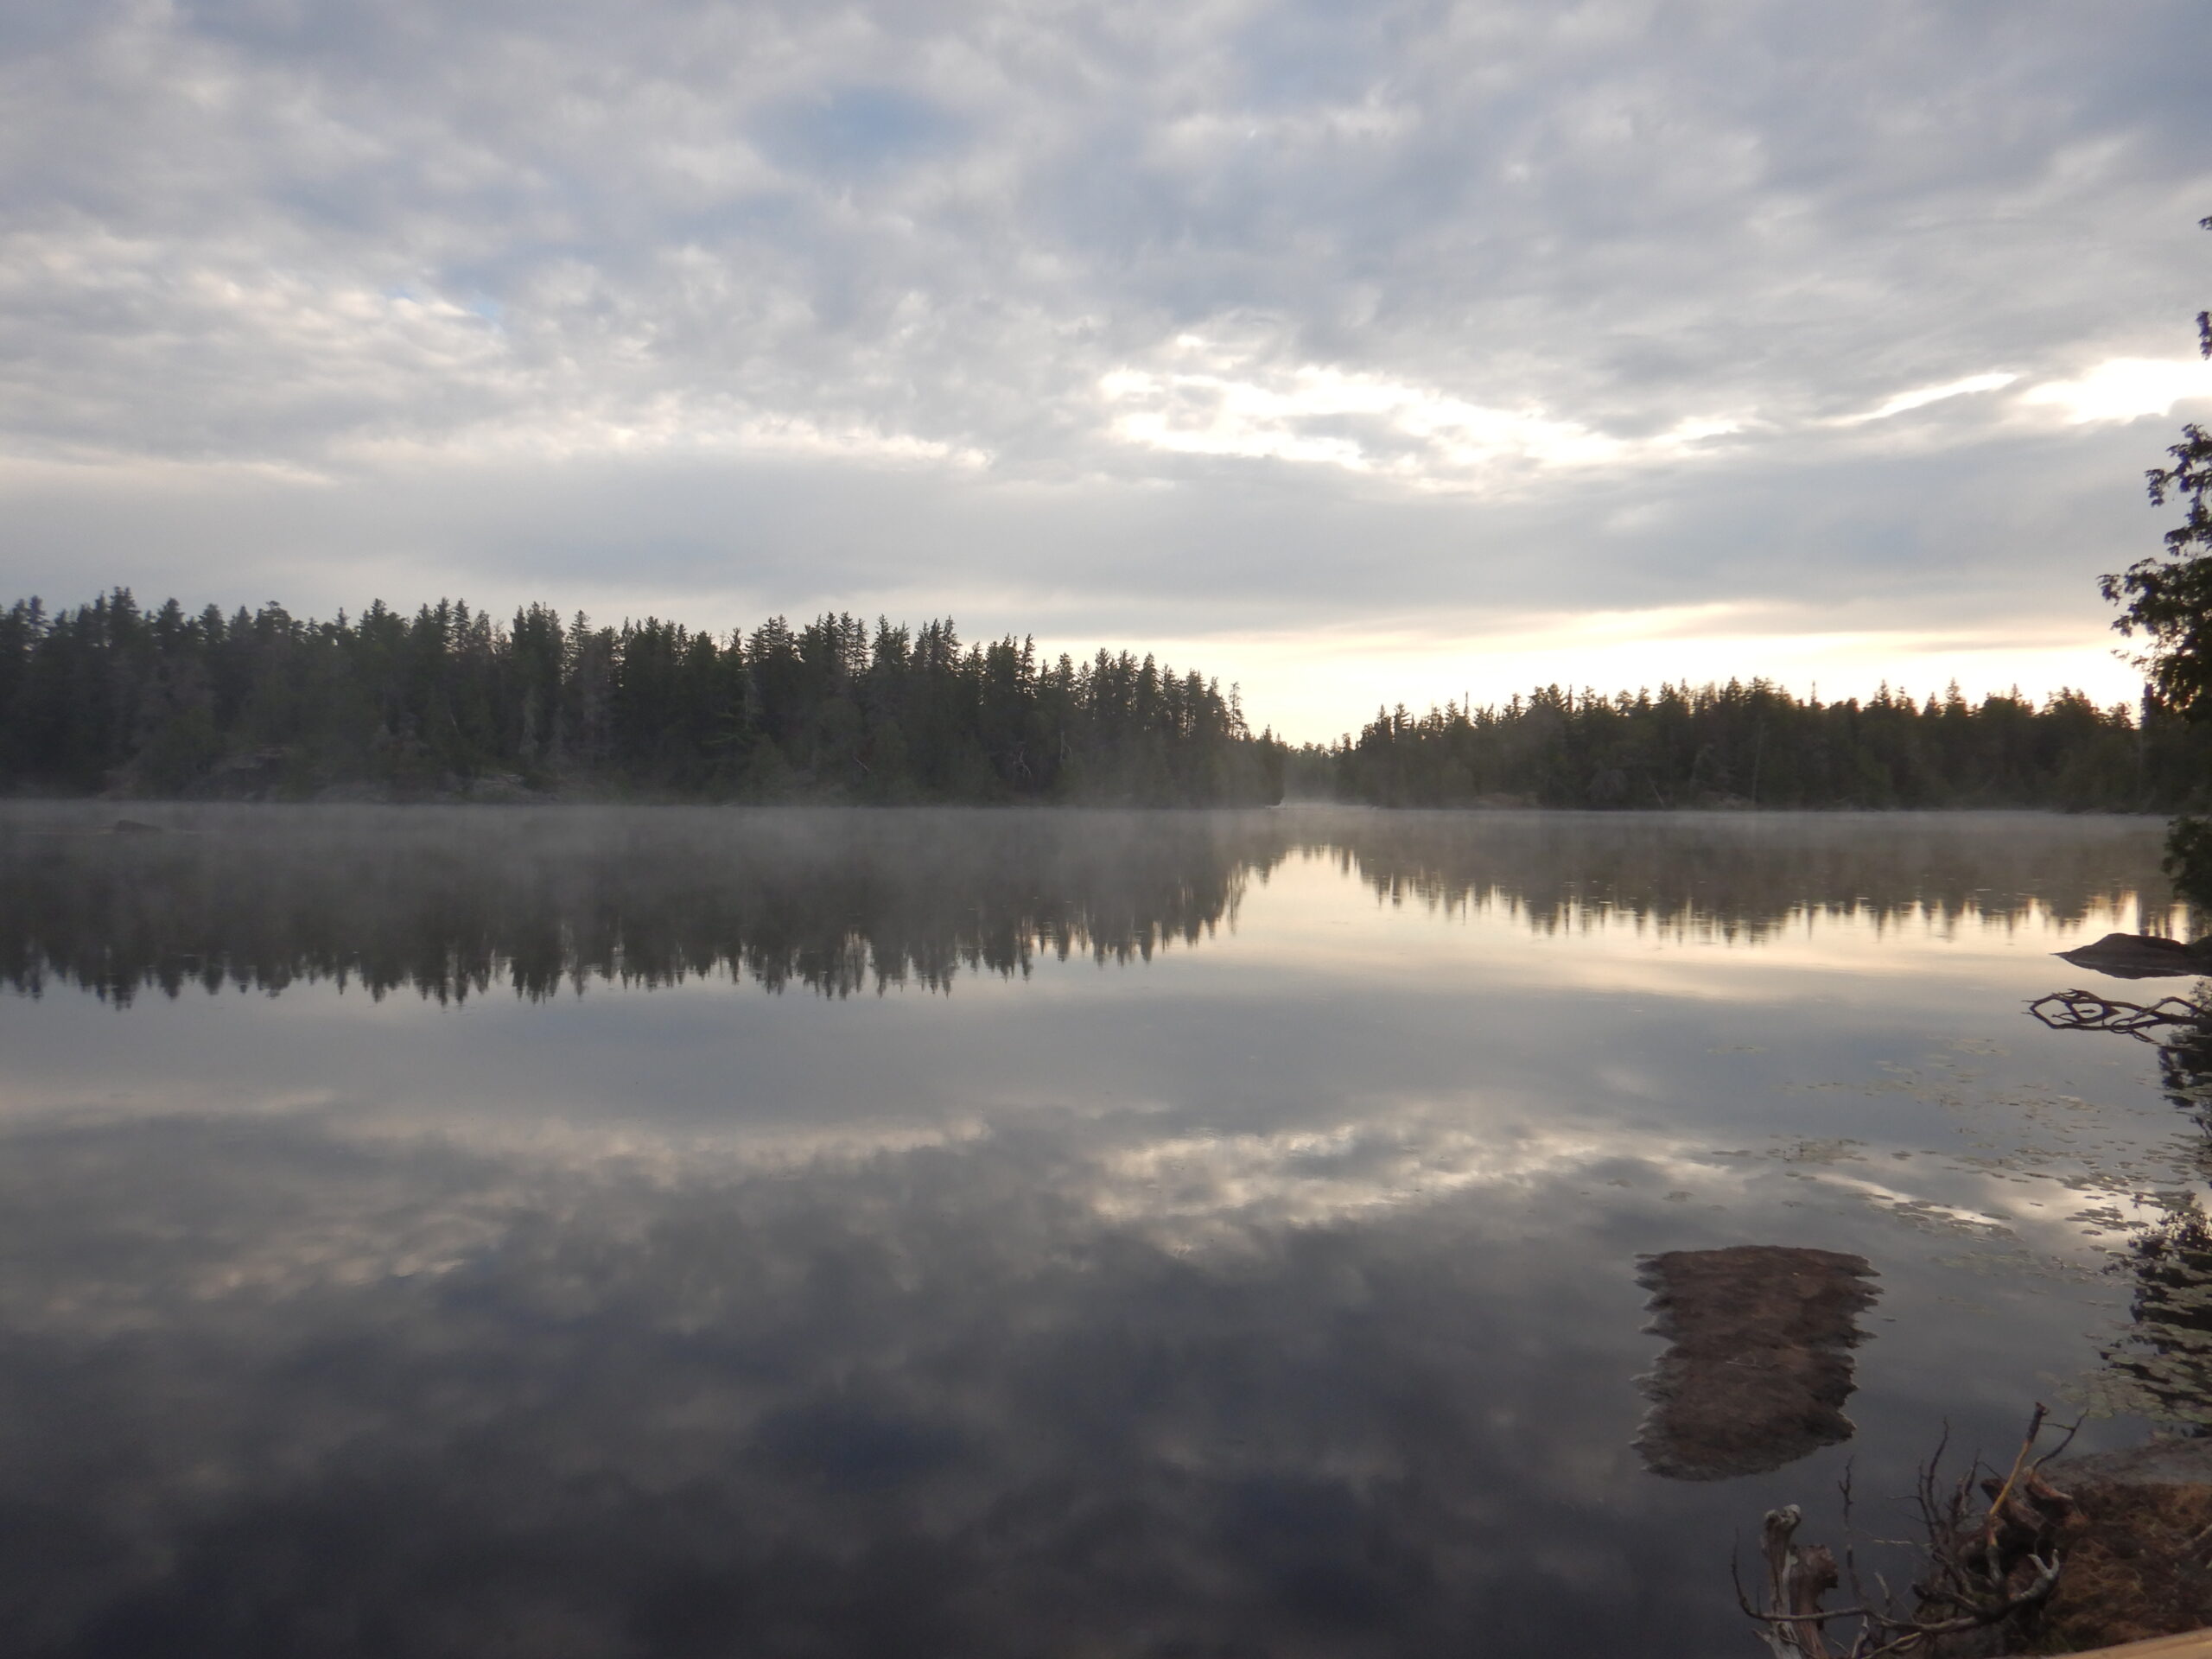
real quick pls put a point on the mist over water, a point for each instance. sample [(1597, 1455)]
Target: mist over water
[(673, 1231), (451, 901)]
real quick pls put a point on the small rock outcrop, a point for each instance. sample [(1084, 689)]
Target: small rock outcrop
[(2141, 955)]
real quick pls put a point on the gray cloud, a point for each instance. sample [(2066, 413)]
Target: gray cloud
[(1251, 313)]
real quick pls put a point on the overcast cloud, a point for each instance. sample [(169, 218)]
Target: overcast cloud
[(1350, 350)]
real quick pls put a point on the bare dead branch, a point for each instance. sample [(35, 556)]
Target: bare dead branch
[(2087, 1011), (1985, 1568)]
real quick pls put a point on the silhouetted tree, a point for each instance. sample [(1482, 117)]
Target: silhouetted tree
[(2169, 602)]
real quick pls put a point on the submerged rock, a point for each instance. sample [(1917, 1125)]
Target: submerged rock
[(1760, 1362), (2141, 955)]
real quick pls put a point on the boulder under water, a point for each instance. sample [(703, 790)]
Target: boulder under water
[(1758, 1365)]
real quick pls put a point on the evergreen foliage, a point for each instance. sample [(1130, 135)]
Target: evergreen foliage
[(111, 697), (2168, 601), (1757, 745)]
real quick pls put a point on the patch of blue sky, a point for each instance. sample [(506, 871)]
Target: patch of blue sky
[(857, 131)]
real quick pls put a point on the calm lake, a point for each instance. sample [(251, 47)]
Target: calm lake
[(567, 1232)]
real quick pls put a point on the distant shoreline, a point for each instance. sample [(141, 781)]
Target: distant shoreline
[(124, 806)]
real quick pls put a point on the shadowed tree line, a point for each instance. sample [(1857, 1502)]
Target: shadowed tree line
[(111, 697), (1757, 745)]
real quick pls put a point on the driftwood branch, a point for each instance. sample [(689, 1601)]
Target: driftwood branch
[(1797, 1578), (1984, 1569), (2087, 1011)]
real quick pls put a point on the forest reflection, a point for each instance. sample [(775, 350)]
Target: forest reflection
[(2163, 1363), (1746, 875), (451, 902)]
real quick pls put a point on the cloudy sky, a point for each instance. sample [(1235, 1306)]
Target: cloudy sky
[(1352, 352)]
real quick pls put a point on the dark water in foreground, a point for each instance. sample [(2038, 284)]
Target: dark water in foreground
[(494, 1232)]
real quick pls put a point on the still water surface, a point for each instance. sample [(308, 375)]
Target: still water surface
[(662, 1232)]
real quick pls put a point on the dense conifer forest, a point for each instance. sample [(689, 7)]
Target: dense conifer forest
[(111, 698), (1757, 744)]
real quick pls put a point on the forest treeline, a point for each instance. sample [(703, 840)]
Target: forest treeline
[(113, 697), (1756, 744)]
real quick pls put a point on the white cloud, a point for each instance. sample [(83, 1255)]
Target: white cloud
[(1363, 424), (1905, 401), (2125, 389), (1542, 289)]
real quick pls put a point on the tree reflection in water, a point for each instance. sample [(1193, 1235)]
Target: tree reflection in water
[(2166, 1359), (2168, 1356), (452, 902)]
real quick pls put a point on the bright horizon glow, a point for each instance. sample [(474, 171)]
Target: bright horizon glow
[(1318, 688)]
